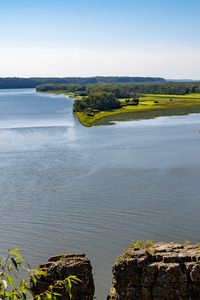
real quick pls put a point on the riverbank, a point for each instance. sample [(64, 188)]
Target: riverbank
[(150, 106), (67, 94)]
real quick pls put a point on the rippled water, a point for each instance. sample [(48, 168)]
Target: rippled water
[(66, 188)]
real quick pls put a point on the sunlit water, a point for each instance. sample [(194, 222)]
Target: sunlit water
[(66, 188)]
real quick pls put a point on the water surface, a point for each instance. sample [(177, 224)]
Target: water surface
[(67, 188)]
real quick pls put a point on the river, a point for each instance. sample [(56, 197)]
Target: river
[(67, 188)]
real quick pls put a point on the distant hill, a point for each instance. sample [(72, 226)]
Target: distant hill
[(32, 82)]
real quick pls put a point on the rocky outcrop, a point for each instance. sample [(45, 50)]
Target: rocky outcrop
[(59, 268), (146, 271), (167, 271)]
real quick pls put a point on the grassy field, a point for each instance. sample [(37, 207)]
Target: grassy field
[(150, 106)]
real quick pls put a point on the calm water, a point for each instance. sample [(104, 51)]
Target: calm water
[(66, 188)]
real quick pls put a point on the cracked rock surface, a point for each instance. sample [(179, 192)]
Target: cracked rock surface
[(167, 271), (60, 267)]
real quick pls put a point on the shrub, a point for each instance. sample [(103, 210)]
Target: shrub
[(13, 288)]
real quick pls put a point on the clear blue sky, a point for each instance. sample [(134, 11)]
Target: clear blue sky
[(107, 37)]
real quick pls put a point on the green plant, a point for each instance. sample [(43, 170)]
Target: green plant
[(198, 246), (142, 244), (186, 243), (13, 288)]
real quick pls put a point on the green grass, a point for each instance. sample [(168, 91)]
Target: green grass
[(142, 244), (168, 105)]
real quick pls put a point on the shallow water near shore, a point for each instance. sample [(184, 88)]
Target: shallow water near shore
[(67, 188)]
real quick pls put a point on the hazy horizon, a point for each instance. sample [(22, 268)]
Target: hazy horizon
[(113, 75), (100, 38)]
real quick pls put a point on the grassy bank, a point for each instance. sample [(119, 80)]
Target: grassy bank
[(150, 106)]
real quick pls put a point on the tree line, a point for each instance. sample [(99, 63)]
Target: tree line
[(126, 90), (96, 101), (101, 101), (103, 97), (32, 82), (129, 90)]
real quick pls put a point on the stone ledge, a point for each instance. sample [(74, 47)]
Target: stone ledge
[(167, 271), (62, 266)]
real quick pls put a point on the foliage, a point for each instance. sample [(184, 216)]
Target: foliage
[(142, 244), (13, 288), (198, 246), (129, 90), (62, 87), (100, 101), (168, 105), (125, 90), (15, 82), (98, 80), (186, 243)]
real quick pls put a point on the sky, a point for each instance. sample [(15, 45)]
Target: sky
[(100, 37)]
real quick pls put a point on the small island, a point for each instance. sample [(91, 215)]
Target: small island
[(103, 104)]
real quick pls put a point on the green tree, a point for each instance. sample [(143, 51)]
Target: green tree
[(101, 101)]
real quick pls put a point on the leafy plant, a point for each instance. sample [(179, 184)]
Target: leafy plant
[(14, 288)]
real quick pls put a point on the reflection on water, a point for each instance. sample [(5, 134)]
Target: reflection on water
[(66, 188)]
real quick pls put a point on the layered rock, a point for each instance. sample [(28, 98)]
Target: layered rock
[(167, 271), (59, 268)]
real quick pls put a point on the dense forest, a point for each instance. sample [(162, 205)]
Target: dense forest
[(62, 87), (32, 82), (98, 97), (129, 90), (126, 90)]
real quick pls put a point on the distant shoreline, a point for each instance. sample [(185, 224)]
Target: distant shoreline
[(33, 82)]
